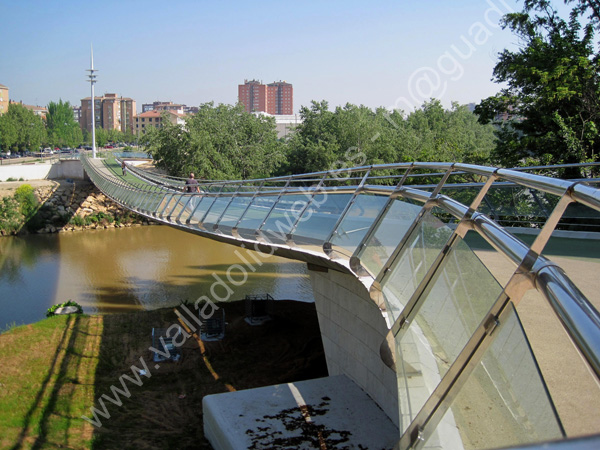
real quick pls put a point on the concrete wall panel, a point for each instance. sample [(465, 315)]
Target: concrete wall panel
[(352, 329), (62, 169)]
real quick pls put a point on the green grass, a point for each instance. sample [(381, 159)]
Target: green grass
[(45, 388), (115, 168), (54, 371)]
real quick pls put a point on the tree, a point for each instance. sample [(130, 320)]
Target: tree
[(553, 91), (218, 142), (102, 137), (454, 135), (62, 128), (21, 129), (356, 135)]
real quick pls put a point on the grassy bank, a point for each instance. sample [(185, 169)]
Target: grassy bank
[(54, 371)]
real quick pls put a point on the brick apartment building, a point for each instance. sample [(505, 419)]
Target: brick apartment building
[(276, 98), (111, 113)]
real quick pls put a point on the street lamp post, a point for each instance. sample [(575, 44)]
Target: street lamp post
[(92, 79)]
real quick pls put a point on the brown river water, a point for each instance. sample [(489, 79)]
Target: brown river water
[(119, 270)]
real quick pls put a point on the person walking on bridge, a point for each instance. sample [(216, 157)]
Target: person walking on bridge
[(191, 184)]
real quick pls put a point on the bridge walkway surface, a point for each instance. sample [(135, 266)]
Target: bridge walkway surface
[(455, 345)]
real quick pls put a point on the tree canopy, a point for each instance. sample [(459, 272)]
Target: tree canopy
[(354, 135), (553, 86), (62, 128), (218, 142), (21, 129)]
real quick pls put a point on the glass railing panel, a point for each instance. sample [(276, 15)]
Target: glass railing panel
[(256, 214), (153, 203), (317, 222), (165, 203), (518, 205), (462, 195), (504, 402), (457, 298), (358, 220), (578, 217), (234, 211), (135, 198), (418, 254), (197, 209), (216, 210), (189, 202), (388, 234), (284, 215), (176, 206)]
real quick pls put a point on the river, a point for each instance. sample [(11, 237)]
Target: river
[(118, 270)]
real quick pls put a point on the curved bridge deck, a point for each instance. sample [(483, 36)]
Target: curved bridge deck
[(450, 331)]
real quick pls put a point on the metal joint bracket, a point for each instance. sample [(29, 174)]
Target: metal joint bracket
[(491, 324), (417, 439), (289, 239)]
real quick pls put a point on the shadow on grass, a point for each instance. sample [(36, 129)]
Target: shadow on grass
[(44, 386), (163, 408)]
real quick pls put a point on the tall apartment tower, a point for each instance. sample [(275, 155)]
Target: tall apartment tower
[(275, 98), (280, 98), (111, 113), (253, 95)]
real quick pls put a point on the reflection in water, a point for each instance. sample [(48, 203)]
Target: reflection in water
[(132, 268)]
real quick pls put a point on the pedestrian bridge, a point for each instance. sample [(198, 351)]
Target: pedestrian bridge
[(407, 311)]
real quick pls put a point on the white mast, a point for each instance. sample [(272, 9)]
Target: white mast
[(92, 79)]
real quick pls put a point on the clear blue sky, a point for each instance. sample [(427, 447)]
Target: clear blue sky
[(376, 53)]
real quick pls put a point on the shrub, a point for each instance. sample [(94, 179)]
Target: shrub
[(11, 217), (78, 221), (26, 198)]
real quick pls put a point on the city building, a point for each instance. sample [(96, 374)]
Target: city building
[(155, 119), (111, 113), (179, 108), (4, 99), (37, 110), (76, 113), (276, 98), (164, 106), (280, 98)]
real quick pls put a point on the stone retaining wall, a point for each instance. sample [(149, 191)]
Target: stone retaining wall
[(76, 205)]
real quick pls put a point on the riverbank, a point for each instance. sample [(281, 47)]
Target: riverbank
[(70, 205), (55, 370)]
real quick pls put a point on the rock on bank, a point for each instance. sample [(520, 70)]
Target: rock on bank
[(71, 206)]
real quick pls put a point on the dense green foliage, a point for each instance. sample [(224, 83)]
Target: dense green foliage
[(226, 142), (26, 198), (553, 87), (21, 129), (218, 142), (15, 211), (63, 130)]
